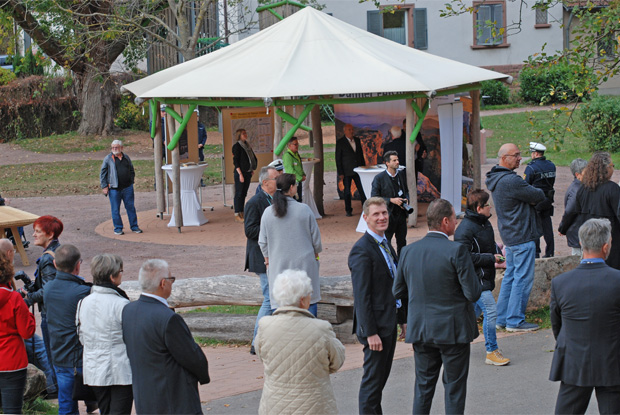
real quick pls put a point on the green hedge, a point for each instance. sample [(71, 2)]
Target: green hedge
[(601, 117), (132, 117), (553, 83), (497, 92)]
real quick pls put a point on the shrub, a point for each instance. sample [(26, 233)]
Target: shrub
[(130, 116), (30, 64), (497, 92), (554, 82), (6, 76), (601, 117)]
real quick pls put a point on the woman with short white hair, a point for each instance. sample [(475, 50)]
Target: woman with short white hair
[(298, 352)]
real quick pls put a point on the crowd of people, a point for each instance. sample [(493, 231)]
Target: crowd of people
[(99, 347)]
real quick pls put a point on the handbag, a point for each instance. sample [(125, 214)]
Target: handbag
[(81, 392)]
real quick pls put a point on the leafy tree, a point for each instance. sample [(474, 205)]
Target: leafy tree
[(593, 54)]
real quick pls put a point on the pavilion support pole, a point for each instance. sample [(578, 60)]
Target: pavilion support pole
[(412, 183), (277, 132), (158, 156), (475, 137), (319, 168), (176, 176)]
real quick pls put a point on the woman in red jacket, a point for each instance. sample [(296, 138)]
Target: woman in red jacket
[(16, 324)]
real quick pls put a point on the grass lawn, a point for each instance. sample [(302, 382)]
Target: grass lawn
[(74, 143), (524, 127)]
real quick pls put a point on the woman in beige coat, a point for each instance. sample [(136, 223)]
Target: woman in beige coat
[(298, 352)]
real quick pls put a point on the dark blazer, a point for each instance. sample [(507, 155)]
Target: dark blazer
[(241, 158), (254, 208), (572, 231), (374, 307), (604, 202), (382, 187), (438, 277), (61, 297), (585, 317), (166, 363), (346, 158)]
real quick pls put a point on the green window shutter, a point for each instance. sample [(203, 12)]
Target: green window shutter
[(420, 29), (373, 22)]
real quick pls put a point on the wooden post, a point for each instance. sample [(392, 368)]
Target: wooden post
[(412, 182), (319, 168), (160, 188), (475, 137), (176, 177)]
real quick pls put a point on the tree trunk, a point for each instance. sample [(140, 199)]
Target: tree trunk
[(98, 102)]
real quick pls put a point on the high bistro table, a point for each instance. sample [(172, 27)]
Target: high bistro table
[(14, 218), (367, 174), (190, 204), (306, 193)]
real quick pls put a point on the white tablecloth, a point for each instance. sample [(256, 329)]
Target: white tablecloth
[(307, 196), (190, 204)]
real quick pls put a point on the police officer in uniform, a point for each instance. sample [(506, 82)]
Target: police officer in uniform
[(540, 173)]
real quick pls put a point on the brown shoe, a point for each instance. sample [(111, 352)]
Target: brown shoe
[(241, 214), (495, 358), (238, 218)]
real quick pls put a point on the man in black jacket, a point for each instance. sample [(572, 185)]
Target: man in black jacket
[(476, 233), (585, 318), (61, 298), (349, 155), (254, 260), (373, 262), (391, 185), (166, 363)]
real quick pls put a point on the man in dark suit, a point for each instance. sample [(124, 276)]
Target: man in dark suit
[(349, 155), (373, 262), (391, 185), (166, 363), (438, 277), (254, 260), (585, 318)]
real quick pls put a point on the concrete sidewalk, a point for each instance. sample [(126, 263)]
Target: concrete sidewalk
[(522, 387)]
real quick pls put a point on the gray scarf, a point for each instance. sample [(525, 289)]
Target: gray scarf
[(251, 156)]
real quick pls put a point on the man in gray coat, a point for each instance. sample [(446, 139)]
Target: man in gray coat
[(519, 226), (585, 317), (438, 279), (166, 363)]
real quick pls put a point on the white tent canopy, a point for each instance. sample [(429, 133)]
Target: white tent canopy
[(307, 54)]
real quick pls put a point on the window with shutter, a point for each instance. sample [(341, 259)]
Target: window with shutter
[(373, 22), (420, 37), (489, 24)]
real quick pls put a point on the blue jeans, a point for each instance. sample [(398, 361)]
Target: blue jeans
[(66, 405), (37, 355), (517, 284), (48, 351), (127, 196), (12, 386), (486, 305), (265, 308)]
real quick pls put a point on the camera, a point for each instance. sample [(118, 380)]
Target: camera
[(28, 283), (407, 208)]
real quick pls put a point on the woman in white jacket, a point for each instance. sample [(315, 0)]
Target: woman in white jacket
[(105, 363), (298, 352)]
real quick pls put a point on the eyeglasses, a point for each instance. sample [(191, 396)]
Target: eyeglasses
[(172, 279), (487, 205), (513, 155)]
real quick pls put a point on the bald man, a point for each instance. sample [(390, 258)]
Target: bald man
[(519, 227)]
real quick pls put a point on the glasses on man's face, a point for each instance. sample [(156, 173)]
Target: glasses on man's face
[(172, 279), (513, 155), (487, 205)]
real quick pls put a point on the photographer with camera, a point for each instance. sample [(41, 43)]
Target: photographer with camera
[(391, 185), (540, 173)]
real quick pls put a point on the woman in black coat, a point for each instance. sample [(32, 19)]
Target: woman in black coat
[(476, 233), (598, 197), (245, 163)]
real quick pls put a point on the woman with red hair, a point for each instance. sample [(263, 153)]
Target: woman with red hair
[(47, 229), (16, 324)]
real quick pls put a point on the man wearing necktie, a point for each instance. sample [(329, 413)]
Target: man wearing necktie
[(349, 155), (437, 277), (585, 318), (373, 263)]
